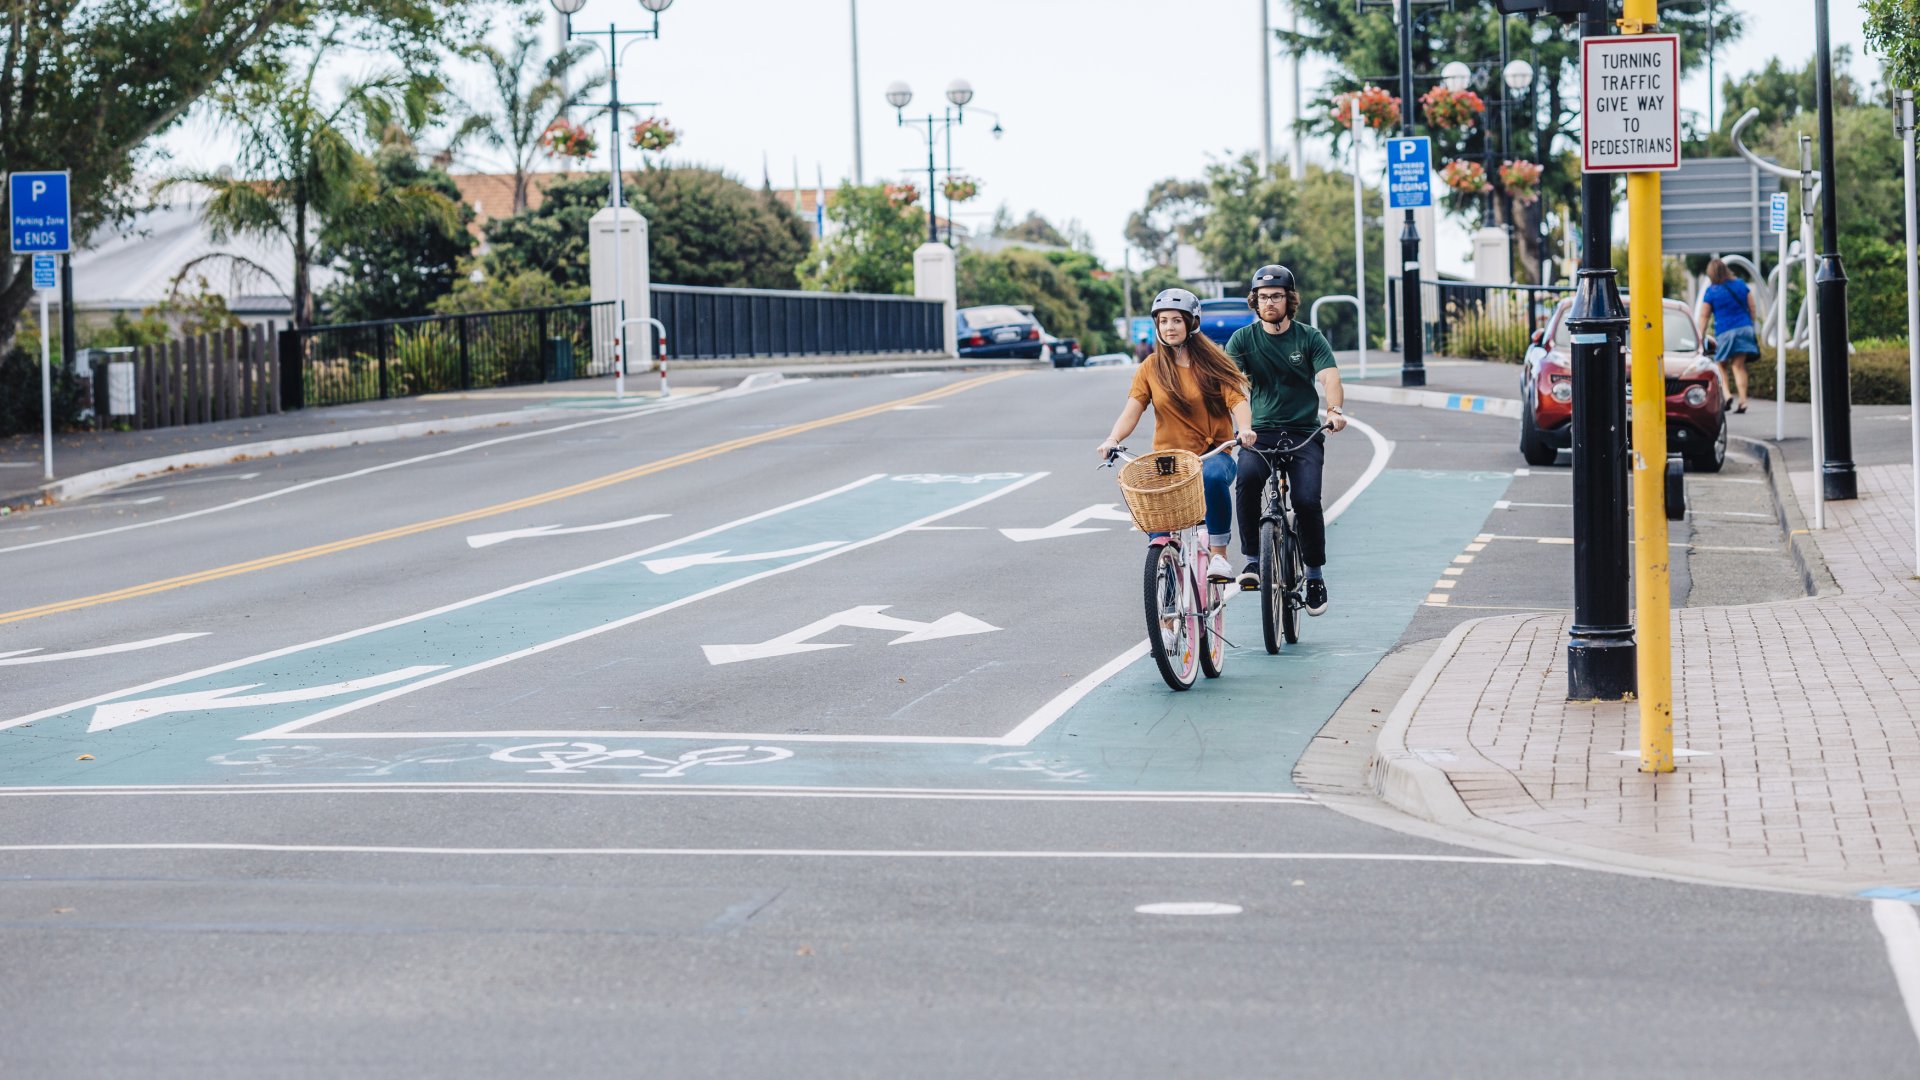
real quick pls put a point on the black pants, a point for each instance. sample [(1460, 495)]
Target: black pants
[(1303, 479)]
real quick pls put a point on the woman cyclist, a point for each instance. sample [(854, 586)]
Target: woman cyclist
[(1199, 400)]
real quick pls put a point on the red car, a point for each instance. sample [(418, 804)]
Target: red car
[(1696, 401)]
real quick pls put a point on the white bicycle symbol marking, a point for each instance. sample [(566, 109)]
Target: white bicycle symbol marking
[(568, 757), (955, 478)]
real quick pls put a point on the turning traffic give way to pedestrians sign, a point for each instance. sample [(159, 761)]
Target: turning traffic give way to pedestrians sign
[(1629, 88)]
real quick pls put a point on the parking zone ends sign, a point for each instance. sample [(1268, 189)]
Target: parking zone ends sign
[(1629, 94)]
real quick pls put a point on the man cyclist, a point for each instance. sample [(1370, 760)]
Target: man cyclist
[(1284, 360)]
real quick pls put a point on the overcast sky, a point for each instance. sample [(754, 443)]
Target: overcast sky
[(1098, 100)]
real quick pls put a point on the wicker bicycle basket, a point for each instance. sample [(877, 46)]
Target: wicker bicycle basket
[(1164, 491)]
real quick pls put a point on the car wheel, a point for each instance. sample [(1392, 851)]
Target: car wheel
[(1709, 458), (1533, 446)]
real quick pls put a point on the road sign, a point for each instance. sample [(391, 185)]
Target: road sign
[(46, 272), (41, 216), (1777, 212), (1409, 173), (1629, 89)]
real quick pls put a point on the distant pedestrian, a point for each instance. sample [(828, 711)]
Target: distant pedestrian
[(1728, 305)]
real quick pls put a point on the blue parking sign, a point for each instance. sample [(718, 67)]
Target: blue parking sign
[(46, 274), (42, 218), (1409, 173), (1777, 212)]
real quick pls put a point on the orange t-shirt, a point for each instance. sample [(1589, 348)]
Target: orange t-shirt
[(1181, 420)]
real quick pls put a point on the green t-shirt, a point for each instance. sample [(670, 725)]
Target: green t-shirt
[(1280, 370)]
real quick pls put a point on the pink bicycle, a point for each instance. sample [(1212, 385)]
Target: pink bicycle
[(1186, 613)]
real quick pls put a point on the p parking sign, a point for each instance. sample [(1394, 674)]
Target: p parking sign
[(42, 217), (1409, 173)]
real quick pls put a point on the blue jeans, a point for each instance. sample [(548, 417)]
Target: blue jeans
[(1217, 474)]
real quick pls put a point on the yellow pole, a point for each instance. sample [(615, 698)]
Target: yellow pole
[(1647, 340)]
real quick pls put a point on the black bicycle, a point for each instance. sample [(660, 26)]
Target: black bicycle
[(1283, 570)]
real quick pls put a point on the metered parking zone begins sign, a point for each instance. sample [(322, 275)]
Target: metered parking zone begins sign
[(1629, 90)]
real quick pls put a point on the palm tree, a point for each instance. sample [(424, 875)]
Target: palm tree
[(299, 172), (526, 109)]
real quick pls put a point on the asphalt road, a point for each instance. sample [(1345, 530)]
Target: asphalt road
[(741, 740)]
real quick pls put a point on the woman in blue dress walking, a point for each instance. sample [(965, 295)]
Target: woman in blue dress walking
[(1728, 305)]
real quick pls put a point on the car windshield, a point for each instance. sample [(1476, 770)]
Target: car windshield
[(1680, 334), (992, 316)]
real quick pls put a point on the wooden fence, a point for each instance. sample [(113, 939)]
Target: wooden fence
[(220, 376)]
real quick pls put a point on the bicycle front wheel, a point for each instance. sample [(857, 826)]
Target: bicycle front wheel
[(1173, 628), (1270, 590)]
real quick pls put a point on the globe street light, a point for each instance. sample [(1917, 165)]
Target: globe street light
[(1456, 76), (899, 94), (959, 93), (1518, 75)]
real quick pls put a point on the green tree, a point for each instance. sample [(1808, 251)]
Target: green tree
[(552, 238), (872, 251), (1099, 291), (1893, 33), (525, 288), (400, 267), (1024, 276), (706, 228), (84, 86), (300, 173), (1034, 229), (1364, 41), (524, 108), (1168, 219)]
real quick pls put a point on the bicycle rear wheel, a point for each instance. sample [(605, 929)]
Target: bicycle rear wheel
[(1270, 598), (1173, 628), (1293, 587), (1213, 628)]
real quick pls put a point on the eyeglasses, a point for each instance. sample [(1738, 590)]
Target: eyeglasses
[(1270, 300)]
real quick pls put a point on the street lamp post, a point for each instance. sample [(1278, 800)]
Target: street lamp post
[(616, 199), (1413, 364), (959, 93), (1837, 475)]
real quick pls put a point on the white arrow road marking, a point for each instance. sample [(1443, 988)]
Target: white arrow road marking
[(107, 717), (19, 656), (480, 540), (707, 558), (1070, 525), (867, 618)]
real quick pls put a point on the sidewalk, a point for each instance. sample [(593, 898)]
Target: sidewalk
[(79, 453), (1802, 719)]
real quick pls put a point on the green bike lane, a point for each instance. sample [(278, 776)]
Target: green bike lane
[(287, 717)]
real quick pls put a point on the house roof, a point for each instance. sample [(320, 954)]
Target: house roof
[(136, 265)]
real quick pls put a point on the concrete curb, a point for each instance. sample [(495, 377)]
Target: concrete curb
[(1793, 524), (1434, 399)]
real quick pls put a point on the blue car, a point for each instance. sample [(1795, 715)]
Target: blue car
[(998, 330), (1220, 318)]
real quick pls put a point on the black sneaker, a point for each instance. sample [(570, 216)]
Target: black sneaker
[(1316, 596), (1250, 576)]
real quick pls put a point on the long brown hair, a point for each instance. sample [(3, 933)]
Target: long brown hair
[(1717, 272), (1213, 368)]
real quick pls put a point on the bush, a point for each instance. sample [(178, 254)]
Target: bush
[(1475, 333), (1878, 376), (20, 395)]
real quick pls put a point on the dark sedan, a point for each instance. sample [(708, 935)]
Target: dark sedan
[(998, 330)]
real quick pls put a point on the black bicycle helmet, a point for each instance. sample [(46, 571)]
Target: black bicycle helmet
[(1272, 276)]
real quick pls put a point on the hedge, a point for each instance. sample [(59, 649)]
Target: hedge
[(1878, 376)]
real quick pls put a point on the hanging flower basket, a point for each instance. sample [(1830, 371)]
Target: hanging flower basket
[(564, 139), (1379, 110), (1465, 177), (1521, 179), (1451, 110), (902, 194), (653, 134), (960, 188)]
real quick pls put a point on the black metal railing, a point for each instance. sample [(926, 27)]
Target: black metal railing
[(1469, 319), (730, 324), (370, 361)]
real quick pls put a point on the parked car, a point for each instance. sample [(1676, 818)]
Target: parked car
[(1696, 400), (1220, 318), (997, 330), (1065, 352), (1110, 359)]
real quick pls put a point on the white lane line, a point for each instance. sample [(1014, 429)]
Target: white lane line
[(1053, 710), (1189, 907), (480, 540), (20, 656), (1899, 926), (371, 469), (805, 853), (142, 486), (1505, 505), (509, 787), (433, 680)]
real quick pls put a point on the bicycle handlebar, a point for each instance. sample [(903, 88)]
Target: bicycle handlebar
[(1121, 453), (1296, 447)]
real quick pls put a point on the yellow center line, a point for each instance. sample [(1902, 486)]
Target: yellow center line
[(365, 539)]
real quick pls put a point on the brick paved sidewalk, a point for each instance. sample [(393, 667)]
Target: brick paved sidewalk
[(1804, 717)]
